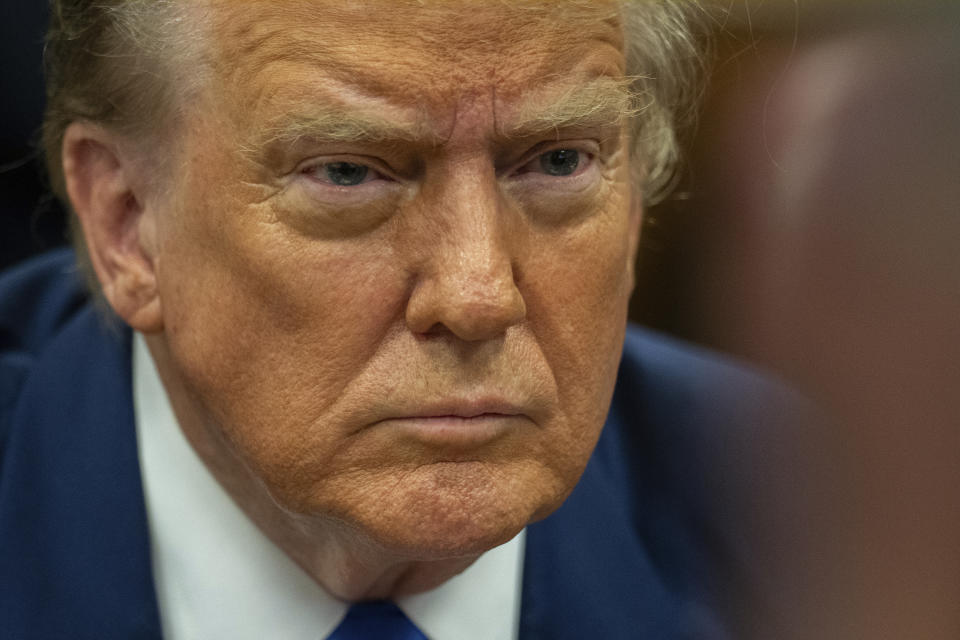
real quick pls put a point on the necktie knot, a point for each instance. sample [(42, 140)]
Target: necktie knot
[(376, 620)]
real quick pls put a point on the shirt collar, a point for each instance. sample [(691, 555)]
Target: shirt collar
[(218, 576)]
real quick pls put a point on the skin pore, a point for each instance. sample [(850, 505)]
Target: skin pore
[(386, 286)]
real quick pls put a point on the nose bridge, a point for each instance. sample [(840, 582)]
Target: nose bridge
[(472, 241), (468, 281)]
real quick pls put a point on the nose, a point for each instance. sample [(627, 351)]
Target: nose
[(468, 283)]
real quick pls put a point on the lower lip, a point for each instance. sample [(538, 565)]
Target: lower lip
[(457, 431)]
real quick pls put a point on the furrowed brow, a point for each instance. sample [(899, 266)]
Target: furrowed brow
[(600, 103)]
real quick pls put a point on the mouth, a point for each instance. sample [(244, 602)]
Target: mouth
[(459, 424)]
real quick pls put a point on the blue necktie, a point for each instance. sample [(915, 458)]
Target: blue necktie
[(379, 620)]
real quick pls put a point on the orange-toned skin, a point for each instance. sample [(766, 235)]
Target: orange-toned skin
[(316, 339)]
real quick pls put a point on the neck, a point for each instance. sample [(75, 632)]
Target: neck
[(352, 568)]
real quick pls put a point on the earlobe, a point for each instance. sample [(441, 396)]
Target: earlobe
[(118, 229)]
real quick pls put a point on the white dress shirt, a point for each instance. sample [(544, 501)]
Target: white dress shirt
[(218, 576)]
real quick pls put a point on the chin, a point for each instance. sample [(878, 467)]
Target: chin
[(455, 509)]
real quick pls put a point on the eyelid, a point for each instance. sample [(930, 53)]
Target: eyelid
[(377, 167), (590, 148)]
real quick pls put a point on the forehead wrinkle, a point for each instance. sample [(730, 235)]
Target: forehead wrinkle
[(267, 43), (323, 94), (257, 44), (248, 43), (323, 109), (261, 35)]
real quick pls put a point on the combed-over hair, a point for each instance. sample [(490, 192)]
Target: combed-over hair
[(126, 65)]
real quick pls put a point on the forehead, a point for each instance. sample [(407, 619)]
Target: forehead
[(426, 54)]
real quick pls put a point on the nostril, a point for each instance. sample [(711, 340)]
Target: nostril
[(436, 330), (469, 315), (469, 290)]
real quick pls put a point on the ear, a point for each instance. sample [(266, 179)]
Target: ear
[(108, 198)]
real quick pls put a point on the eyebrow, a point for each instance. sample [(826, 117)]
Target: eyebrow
[(333, 123), (602, 102)]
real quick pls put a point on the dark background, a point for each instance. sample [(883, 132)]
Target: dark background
[(30, 221)]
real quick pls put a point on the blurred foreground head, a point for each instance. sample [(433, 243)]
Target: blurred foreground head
[(833, 259)]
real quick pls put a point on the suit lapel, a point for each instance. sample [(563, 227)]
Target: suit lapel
[(586, 575)]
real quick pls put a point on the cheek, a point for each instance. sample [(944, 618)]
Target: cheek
[(580, 282), (269, 331), (578, 288)]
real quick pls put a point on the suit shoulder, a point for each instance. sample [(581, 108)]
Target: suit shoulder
[(679, 408), (37, 298), (661, 373), (671, 356), (693, 443)]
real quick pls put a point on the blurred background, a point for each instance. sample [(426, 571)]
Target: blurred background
[(816, 234)]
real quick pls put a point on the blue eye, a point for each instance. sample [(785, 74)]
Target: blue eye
[(346, 174), (560, 162)]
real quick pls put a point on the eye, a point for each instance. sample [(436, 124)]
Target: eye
[(342, 174), (560, 162)]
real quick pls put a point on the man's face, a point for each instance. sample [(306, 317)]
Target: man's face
[(395, 269)]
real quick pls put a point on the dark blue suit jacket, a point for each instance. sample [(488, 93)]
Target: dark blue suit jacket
[(647, 546)]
